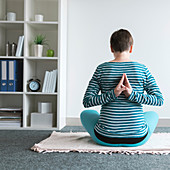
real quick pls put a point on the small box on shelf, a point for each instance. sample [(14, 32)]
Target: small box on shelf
[(40, 120), (44, 107)]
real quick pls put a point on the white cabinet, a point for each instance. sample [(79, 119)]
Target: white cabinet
[(54, 27)]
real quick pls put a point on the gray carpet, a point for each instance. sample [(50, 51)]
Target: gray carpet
[(15, 153)]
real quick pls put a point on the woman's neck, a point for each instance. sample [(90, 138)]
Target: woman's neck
[(121, 57)]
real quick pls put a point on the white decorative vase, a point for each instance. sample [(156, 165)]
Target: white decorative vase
[(38, 50)]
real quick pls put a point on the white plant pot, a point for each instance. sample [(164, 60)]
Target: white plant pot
[(38, 50)]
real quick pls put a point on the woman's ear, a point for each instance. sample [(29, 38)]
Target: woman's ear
[(111, 49), (130, 51)]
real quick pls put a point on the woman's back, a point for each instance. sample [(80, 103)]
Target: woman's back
[(121, 116)]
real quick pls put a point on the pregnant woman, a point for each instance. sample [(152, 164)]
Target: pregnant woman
[(125, 85)]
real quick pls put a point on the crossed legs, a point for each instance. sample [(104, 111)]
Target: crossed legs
[(89, 119)]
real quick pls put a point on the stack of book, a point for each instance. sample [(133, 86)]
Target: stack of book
[(10, 117), (50, 79), (11, 75)]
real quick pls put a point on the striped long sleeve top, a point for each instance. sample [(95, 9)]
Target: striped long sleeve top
[(120, 116)]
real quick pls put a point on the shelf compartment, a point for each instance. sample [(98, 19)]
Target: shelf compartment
[(16, 6), (50, 31), (13, 99), (31, 105), (9, 33), (47, 8), (37, 69)]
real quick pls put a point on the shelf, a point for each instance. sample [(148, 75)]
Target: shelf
[(47, 25), (41, 58), (11, 57), (40, 93), (44, 26), (28, 22), (44, 22), (4, 92), (11, 22), (8, 25)]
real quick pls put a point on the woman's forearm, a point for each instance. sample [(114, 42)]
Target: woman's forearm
[(94, 100), (148, 99)]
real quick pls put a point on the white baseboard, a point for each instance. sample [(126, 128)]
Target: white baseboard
[(72, 121), (164, 122)]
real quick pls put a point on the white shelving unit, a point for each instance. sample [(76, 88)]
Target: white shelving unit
[(55, 29)]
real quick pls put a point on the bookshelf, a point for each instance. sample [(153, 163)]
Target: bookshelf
[(54, 27)]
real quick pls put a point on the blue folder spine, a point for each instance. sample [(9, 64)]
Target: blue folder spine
[(4, 74), (15, 75), (11, 75)]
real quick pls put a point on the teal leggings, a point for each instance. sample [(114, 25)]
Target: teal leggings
[(89, 119)]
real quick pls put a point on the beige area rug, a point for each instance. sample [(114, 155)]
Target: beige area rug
[(159, 143)]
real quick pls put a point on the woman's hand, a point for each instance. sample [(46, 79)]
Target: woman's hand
[(128, 89), (123, 86), (120, 87)]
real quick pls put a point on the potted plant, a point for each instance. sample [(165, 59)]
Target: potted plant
[(39, 42)]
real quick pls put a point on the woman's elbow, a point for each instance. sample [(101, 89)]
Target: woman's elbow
[(161, 102), (85, 104)]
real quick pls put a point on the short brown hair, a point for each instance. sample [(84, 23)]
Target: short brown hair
[(121, 40)]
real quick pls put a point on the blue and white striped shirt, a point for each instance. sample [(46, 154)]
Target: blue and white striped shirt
[(120, 116)]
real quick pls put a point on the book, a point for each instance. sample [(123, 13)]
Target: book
[(19, 46), (55, 80), (45, 82), (49, 82), (9, 123), (52, 81), (10, 115)]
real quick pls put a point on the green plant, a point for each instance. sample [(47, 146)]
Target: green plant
[(40, 39)]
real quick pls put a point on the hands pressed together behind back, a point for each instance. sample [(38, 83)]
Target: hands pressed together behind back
[(123, 86)]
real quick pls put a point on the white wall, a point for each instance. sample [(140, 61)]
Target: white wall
[(90, 24)]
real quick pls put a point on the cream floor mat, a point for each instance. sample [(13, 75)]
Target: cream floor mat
[(159, 143)]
